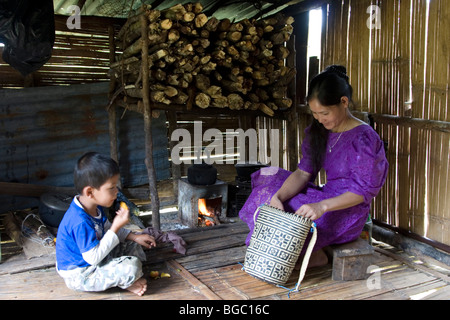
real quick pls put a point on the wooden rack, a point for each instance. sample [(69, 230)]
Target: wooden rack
[(179, 60)]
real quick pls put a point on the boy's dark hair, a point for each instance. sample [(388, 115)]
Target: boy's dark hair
[(93, 169)]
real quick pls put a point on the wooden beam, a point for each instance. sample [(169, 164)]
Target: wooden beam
[(292, 144), (31, 190), (148, 125), (415, 123), (303, 6), (414, 265), (193, 281)]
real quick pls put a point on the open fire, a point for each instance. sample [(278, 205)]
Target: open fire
[(209, 211), (213, 207)]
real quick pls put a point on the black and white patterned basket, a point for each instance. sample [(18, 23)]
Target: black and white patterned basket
[(275, 245)]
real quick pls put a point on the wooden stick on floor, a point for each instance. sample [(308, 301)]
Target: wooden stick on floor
[(193, 281)]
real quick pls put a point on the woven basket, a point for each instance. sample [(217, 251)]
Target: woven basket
[(275, 245)]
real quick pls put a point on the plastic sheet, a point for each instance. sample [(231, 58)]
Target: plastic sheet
[(27, 28)]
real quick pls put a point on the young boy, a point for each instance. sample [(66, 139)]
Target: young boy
[(93, 254)]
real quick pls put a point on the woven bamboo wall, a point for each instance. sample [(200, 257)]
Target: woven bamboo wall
[(401, 74)]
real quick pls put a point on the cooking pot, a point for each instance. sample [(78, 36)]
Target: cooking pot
[(202, 174), (52, 207)]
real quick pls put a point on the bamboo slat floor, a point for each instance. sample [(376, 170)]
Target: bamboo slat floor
[(211, 270)]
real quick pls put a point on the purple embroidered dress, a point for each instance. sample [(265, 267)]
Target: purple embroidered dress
[(356, 163)]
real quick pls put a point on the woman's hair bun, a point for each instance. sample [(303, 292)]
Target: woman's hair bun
[(339, 70)]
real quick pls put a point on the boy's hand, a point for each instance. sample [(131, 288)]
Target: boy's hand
[(145, 240), (121, 219)]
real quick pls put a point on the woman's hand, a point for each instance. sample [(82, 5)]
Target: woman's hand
[(276, 203), (311, 211), (314, 211)]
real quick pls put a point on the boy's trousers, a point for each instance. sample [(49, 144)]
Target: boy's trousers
[(120, 268)]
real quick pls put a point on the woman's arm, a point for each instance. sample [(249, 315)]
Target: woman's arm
[(314, 211), (293, 185)]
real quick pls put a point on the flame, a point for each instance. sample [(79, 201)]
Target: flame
[(202, 208)]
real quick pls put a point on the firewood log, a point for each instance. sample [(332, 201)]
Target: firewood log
[(132, 49), (166, 24), (157, 38), (175, 12), (281, 52), (214, 92), (170, 91), (159, 96), (277, 92), (238, 65), (264, 108), (234, 36), (188, 17), (212, 24), (235, 101), (283, 103), (200, 20), (173, 35), (181, 98), (202, 100), (197, 7), (220, 102), (208, 67), (224, 25)]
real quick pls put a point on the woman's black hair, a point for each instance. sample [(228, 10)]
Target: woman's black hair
[(328, 88), (93, 169)]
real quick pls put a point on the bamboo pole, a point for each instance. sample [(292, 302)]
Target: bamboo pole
[(148, 126)]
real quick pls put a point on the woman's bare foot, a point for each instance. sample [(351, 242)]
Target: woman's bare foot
[(317, 259), (139, 287)]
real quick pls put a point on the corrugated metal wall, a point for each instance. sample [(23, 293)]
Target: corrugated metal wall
[(132, 148), (43, 131)]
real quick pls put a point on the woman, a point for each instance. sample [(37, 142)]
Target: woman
[(354, 160)]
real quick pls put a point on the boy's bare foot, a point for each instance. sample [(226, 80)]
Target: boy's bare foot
[(139, 287)]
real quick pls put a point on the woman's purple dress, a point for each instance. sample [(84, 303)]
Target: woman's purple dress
[(356, 163)]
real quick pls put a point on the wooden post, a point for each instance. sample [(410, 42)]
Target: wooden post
[(292, 128), (112, 115), (148, 125)]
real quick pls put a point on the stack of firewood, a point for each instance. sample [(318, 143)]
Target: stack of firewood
[(204, 61)]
